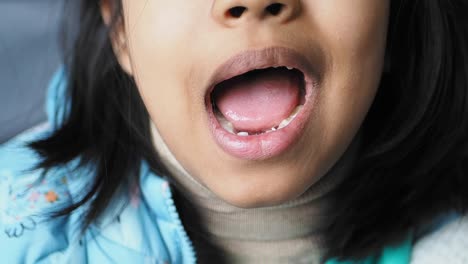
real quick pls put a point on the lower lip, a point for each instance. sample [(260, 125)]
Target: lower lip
[(267, 145)]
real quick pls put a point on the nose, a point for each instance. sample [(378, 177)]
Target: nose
[(233, 12)]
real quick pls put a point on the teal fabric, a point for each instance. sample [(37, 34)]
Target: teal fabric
[(140, 226), (400, 254), (147, 230)]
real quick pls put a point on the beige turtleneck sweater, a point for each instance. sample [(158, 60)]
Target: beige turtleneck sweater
[(221, 233)]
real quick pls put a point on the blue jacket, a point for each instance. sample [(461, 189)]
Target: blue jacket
[(147, 230)]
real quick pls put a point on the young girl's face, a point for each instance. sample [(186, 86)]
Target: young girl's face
[(178, 51)]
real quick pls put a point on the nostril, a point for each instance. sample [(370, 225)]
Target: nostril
[(274, 9), (236, 11)]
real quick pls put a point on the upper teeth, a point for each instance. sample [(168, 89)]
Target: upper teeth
[(287, 67)]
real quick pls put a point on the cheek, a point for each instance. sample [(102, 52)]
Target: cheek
[(156, 22), (158, 33), (353, 37), (351, 33)]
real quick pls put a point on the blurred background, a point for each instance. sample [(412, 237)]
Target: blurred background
[(29, 55)]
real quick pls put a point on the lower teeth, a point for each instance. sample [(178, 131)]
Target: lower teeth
[(230, 127)]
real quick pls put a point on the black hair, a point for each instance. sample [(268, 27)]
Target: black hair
[(412, 165)]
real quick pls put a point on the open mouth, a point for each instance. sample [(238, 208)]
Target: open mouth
[(259, 102)]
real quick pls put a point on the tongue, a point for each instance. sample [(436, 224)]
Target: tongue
[(259, 100)]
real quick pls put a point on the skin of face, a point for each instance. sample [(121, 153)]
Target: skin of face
[(173, 47)]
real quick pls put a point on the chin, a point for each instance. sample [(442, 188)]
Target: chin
[(262, 187)]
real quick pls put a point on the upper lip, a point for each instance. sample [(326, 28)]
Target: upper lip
[(260, 59)]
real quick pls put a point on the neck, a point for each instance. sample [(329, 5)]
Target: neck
[(223, 231)]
